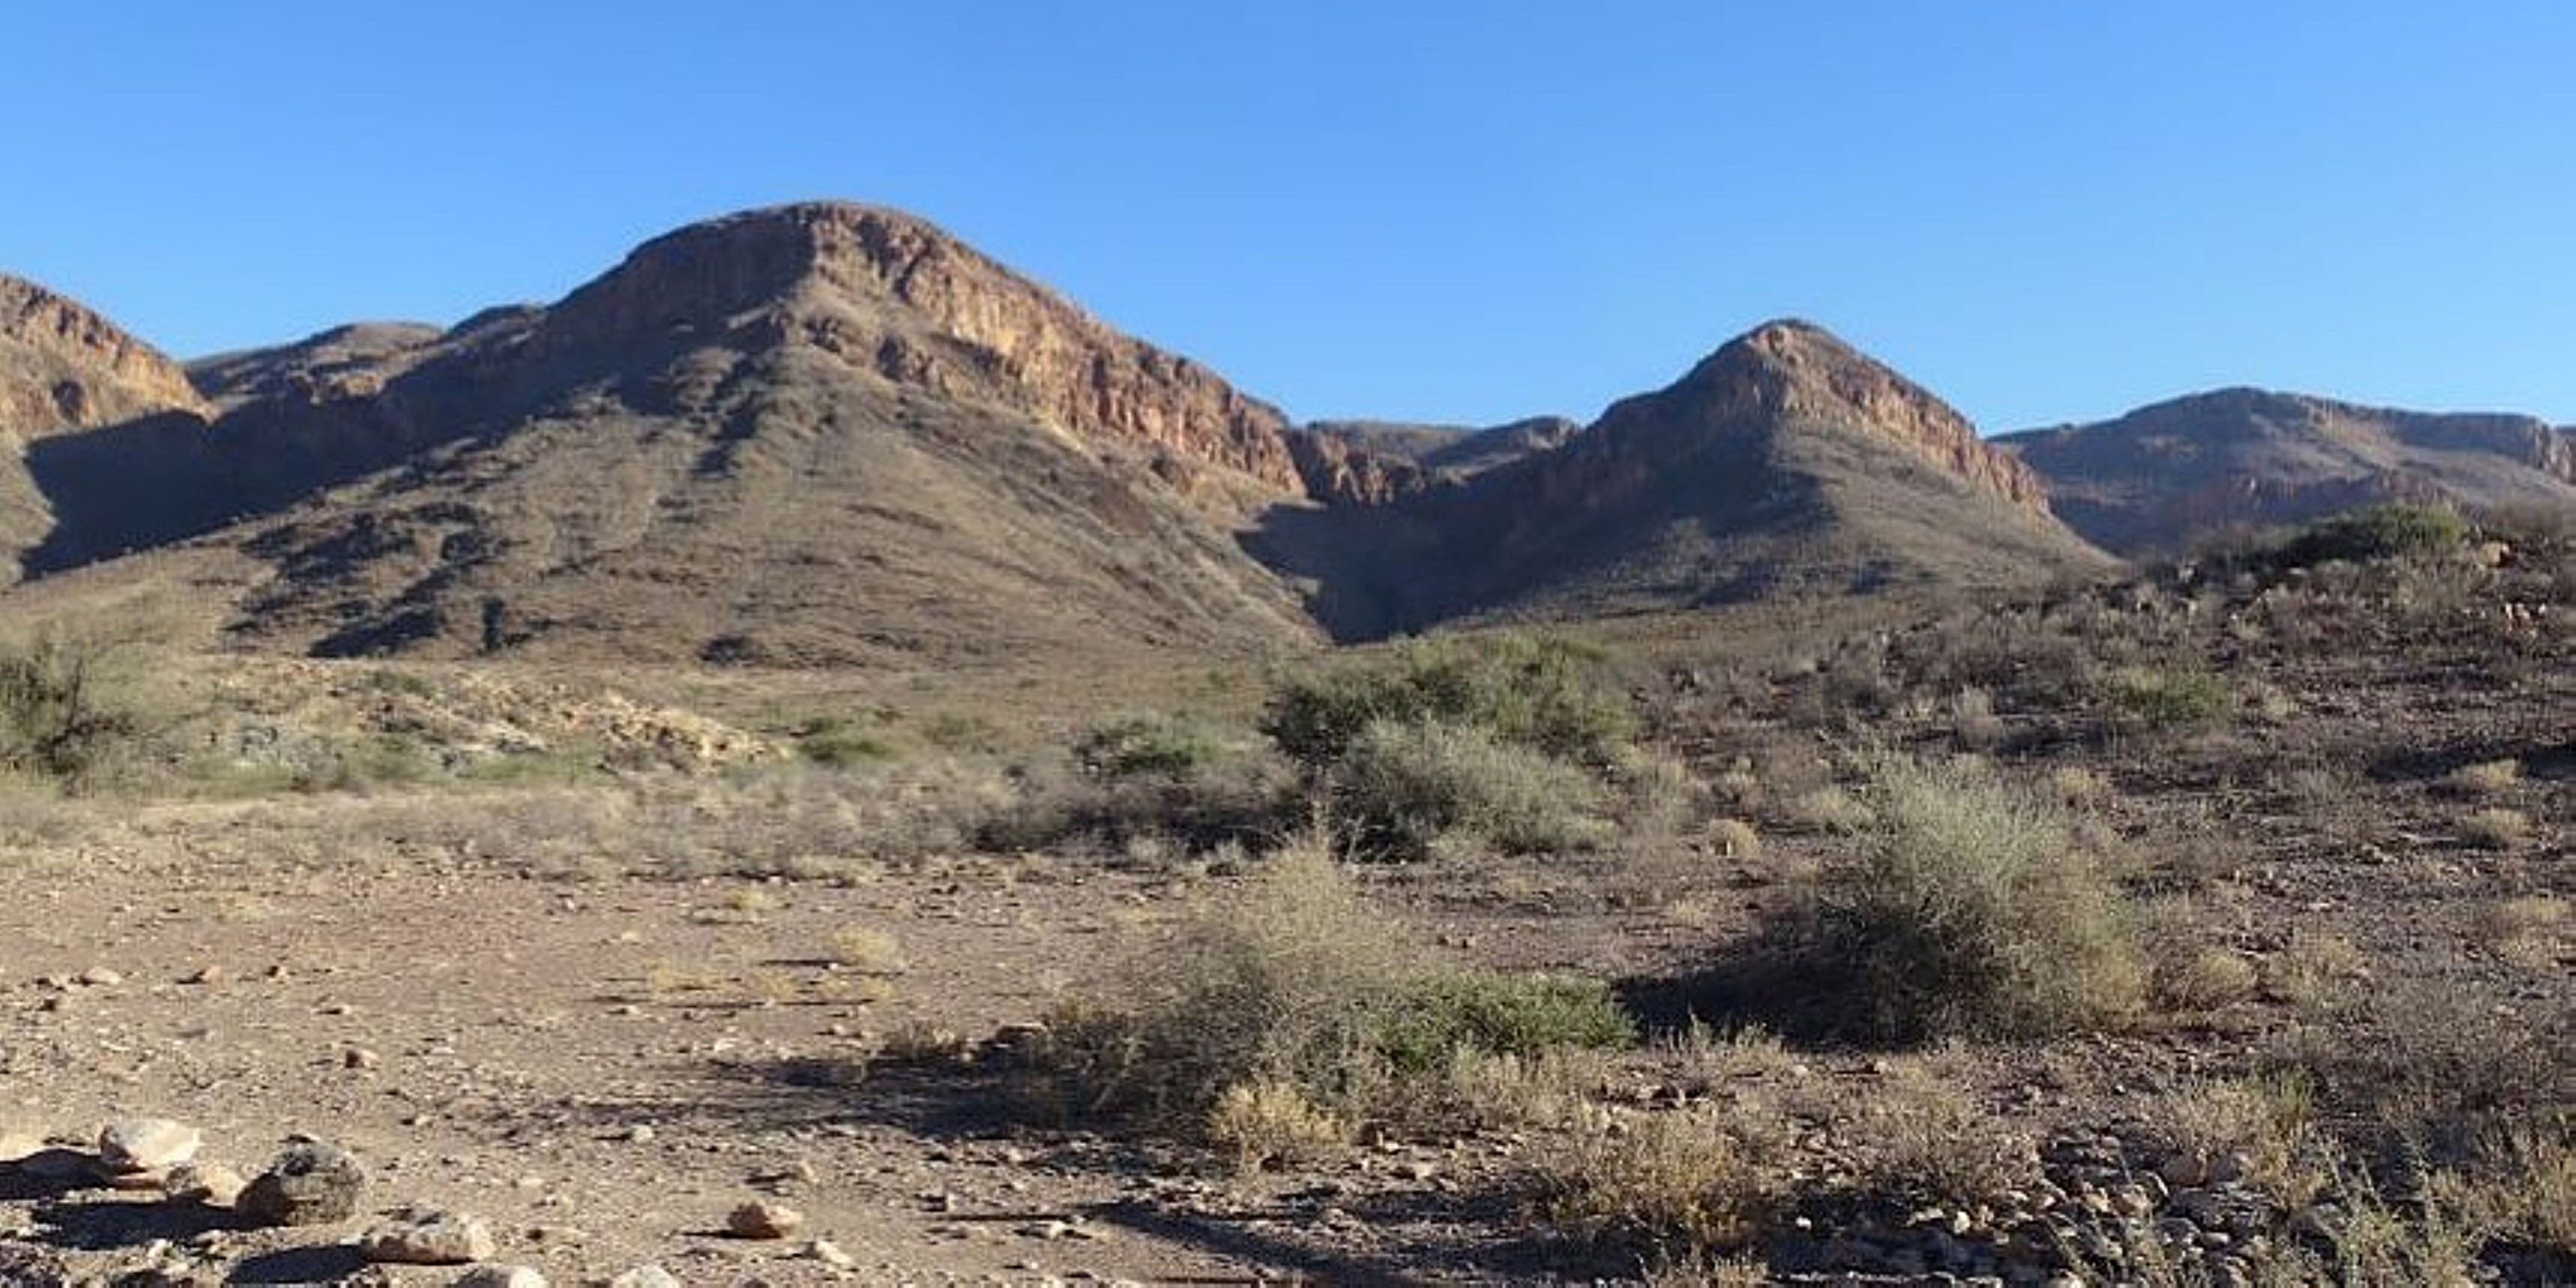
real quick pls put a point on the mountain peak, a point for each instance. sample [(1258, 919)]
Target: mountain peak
[(895, 296), (64, 366), (1792, 375)]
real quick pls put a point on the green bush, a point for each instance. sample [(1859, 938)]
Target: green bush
[(2169, 698), (1401, 787), (1494, 1014), (1550, 695), (839, 743), (2379, 532), (1142, 746), (67, 705), (1969, 909), (1296, 982)]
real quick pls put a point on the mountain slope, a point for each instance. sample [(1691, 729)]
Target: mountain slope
[(818, 433), (2161, 476), (1786, 462), (63, 369)]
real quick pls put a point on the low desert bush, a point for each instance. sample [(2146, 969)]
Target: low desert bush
[(1929, 1140), (1969, 909), (70, 704), (2168, 697), (2202, 979), (2528, 930), (1143, 746), (2264, 1129), (1402, 787), (2483, 778), (1295, 982), (1548, 694), (838, 742), (1699, 1179), (1266, 1122), (2379, 532), (2496, 828)]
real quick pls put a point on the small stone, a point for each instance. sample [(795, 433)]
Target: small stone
[(310, 1183), (500, 1277), (360, 1058), (101, 977), (147, 1144), (208, 974), (764, 1221), (424, 1237), (830, 1254), (207, 1184), (639, 1134), (645, 1276)]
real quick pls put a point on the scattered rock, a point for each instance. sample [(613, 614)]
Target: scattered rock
[(101, 977), (500, 1277), (830, 1254), (425, 1237), (311, 1183), (24, 1266), (764, 1221), (209, 1184), (360, 1058), (147, 1144), (645, 1276)]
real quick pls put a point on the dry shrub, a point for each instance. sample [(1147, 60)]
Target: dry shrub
[(2316, 972), (2530, 931), (1969, 909), (2496, 828), (1272, 1122), (868, 950), (2483, 778), (2205, 979), (2076, 787), (1828, 809), (2527, 1184), (1931, 1141), (1733, 838), (1296, 981), (1692, 1180), (2266, 1126), (2438, 1064), (1403, 787)]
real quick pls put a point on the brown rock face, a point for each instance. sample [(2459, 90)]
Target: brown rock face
[(1792, 373), (62, 366), (893, 295), (1338, 472)]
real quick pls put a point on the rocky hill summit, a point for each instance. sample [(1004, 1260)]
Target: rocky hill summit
[(2167, 474), (63, 366), (893, 295)]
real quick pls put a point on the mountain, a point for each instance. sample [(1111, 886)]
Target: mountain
[(1787, 461), (1373, 462), (64, 368), (2161, 477), (817, 433)]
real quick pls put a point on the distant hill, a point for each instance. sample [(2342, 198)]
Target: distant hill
[(64, 369), (810, 434), (1372, 462), (1787, 462), (2164, 476)]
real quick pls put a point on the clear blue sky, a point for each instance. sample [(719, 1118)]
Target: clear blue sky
[(1467, 211)]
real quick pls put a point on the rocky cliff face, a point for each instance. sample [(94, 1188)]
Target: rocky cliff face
[(1790, 374), (62, 366), (891, 294)]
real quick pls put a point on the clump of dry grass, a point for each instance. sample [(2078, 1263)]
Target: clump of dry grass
[(1684, 1182), (1266, 1122), (2531, 931), (2496, 828), (1733, 838), (2316, 972), (868, 950), (2483, 778), (2263, 1128), (1828, 809), (2203, 979), (1930, 1140), (2076, 787)]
